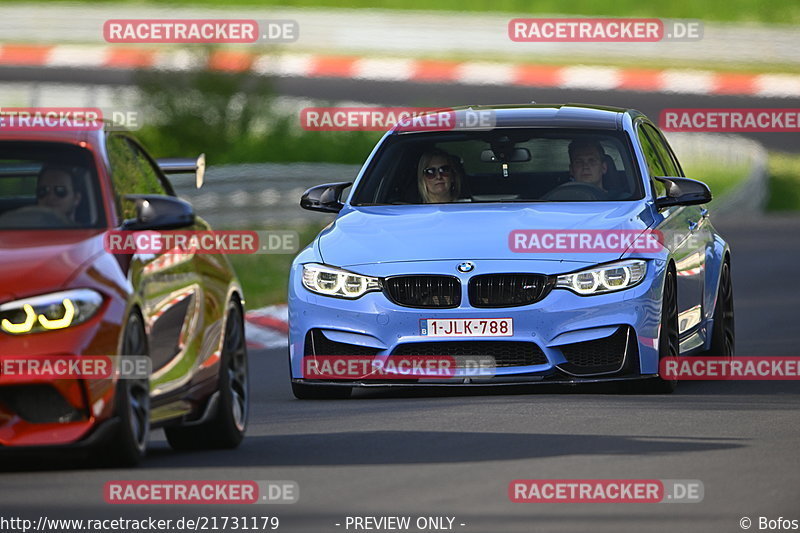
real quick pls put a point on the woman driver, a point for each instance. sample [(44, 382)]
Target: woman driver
[(439, 177)]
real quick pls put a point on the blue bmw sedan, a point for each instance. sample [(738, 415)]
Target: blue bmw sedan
[(561, 242)]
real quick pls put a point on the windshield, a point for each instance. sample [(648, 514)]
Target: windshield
[(502, 165), (45, 185)]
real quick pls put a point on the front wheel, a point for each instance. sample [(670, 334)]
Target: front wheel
[(668, 341), (723, 335), (128, 445)]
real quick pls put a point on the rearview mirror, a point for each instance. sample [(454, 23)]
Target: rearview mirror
[(158, 212), (683, 191), (324, 198), (517, 155)]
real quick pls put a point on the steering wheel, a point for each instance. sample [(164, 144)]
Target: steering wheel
[(577, 191), (35, 216)]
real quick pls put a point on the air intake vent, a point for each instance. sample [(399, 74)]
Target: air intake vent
[(317, 343), (505, 353), (601, 356)]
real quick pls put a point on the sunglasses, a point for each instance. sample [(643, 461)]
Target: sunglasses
[(59, 190), (445, 171)]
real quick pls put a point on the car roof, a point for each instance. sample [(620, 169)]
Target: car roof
[(71, 137), (90, 136), (548, 115)]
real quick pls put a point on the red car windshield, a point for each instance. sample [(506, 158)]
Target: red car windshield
[(45, 185)]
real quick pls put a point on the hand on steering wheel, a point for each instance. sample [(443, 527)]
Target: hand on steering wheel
[(35, 216), (576, 190)]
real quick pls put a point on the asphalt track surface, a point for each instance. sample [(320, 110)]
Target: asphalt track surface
[(421, 453), (393, 93)]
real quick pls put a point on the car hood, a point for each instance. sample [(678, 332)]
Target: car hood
[(41, 261), (378, 234)]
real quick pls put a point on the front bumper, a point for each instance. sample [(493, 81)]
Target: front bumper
[(45, 412), (563, 328)]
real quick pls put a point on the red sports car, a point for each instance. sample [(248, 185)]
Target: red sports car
[(63, 293)]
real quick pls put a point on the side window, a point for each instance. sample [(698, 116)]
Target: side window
[(131, 173), (664, 153), (669, 153), (654, 165), (152, 182)]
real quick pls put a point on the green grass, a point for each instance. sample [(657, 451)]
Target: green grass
[(769, 11), (278, 146), (232, 117), (784, 182), (265, 277), (720, 179)]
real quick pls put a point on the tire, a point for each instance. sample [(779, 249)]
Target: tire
[(668, 341), (226, 428), (723, 334), (302, 391), (128, 445)]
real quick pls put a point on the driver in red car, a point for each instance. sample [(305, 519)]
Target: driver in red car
[(56, 190)]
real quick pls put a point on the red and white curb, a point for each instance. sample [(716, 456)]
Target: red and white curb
[(686, 81), (267, 327)]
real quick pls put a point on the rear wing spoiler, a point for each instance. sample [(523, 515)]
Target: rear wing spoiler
[(184, 165)]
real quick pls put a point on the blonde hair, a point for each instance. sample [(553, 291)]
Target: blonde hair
[(424, 162)]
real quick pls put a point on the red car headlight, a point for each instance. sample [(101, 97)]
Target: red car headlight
[(57, 310)]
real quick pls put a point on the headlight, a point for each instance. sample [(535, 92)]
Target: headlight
[(332, 281), (57, 310), (606, 278)]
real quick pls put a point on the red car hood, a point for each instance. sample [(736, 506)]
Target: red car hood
[(41, 261)]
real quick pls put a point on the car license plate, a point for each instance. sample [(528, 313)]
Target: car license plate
[(467, 327)]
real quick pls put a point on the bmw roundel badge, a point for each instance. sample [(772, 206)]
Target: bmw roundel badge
[(465, 267)]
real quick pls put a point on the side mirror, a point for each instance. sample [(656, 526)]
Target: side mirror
[(683, 191), (159, 212), (325, 197)]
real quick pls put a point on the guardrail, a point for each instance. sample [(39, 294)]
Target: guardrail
[(268, 194)]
